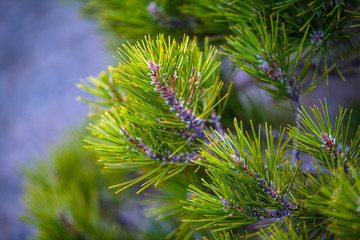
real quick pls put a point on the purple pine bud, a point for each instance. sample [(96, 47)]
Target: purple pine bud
[(265, 67), (225, 202), (317, 37), (328, 142)]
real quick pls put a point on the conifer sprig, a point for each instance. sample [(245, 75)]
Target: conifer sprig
[(326, 142), (247, 184), (263, 50), (318, 27), (170, 91)]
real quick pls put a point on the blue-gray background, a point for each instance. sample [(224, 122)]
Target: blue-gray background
[(45, 48)]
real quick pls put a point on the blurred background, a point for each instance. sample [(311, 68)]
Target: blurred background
[(45, 48)]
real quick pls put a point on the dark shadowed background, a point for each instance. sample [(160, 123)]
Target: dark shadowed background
[(45, 48)]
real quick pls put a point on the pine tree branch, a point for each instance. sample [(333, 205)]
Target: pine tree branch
[(320, 138), (329, 145), (286, 206), (195, 127)]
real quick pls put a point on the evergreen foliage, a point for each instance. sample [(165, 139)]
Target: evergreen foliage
[(170, 90), (67, 198), (136, 18), (157, 117)]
